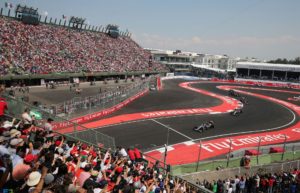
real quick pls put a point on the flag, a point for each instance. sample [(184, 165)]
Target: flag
[(36, 114), (64, 17)]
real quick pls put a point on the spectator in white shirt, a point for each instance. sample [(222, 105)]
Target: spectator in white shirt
[(27, 120)]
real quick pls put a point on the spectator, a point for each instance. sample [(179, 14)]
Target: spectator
[(44, 49), (131, 154), (27, 120), (36, 161), (3, 107), (48, 125), (137, 155)]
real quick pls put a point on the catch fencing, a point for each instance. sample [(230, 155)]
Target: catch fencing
[(103, 100)]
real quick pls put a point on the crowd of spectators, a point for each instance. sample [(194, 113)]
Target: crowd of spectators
[(44, 49), (34, 159), (281, 182)]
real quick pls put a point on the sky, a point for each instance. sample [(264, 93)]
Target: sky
[(264, 29)]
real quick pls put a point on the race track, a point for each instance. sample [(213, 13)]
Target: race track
[(168, 116)]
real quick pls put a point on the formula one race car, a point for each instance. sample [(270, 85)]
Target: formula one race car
[(236, 112), (204, 126), (244, 100), (233, 93)]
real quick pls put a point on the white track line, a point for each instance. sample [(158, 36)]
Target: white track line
[(157, 118), (166, 126)]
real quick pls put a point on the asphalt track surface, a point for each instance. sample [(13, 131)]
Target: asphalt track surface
[(258, 115)]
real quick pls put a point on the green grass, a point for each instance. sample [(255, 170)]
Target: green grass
[(233, 162)]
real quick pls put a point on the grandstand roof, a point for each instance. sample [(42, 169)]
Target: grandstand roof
[(268, 66)]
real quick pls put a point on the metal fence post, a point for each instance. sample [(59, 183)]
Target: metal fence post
[(284, 143), (293, 149), (258, 148), (165, 156), (166, 147), (199, 154), (229, 152)]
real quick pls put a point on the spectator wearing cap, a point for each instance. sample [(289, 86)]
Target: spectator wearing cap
[(32, 181), (84, 150), (14, 133), (59, 153), (20, 171), (3, 140), (5, 125), (14, 143)]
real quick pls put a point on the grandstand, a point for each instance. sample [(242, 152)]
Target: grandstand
[(50, 50), (109, 133)]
